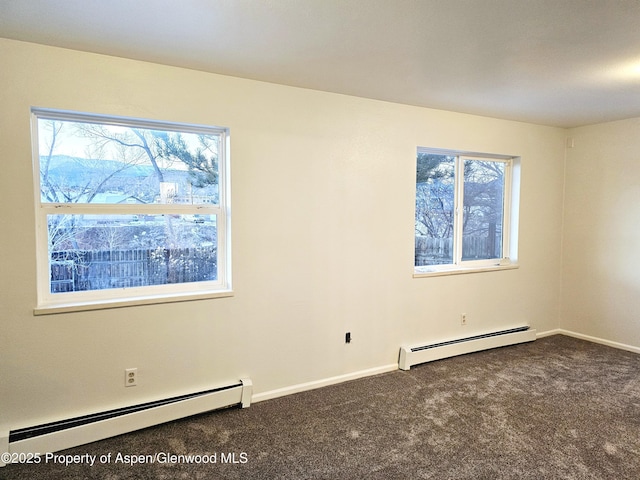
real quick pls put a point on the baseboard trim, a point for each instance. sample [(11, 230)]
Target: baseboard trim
[(303, 387), (548, 333), (601, 341)]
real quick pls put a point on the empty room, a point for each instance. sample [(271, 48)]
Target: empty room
[(320, 239)]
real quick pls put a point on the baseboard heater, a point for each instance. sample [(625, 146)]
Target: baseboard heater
[(414, 355), (72, 432)]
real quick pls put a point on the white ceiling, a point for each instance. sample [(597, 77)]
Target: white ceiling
[(554, 62)]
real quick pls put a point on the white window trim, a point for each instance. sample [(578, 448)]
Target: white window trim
[(510, 218), (48, 303)]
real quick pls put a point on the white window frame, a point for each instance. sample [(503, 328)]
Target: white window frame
[(48, 302), (510, 217)]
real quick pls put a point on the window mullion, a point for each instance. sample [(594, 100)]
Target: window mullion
[(459, 210), (506, 209), (153, 208)]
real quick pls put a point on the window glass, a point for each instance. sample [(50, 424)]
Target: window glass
[(483, 209), (435, 185), (101, 163), (95, 252)]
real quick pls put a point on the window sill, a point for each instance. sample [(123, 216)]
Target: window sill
[(132, 302), (461, 270)]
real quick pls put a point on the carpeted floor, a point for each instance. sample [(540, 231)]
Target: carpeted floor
[(556, 408)]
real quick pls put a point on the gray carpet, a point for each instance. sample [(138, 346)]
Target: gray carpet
[(554, 408)]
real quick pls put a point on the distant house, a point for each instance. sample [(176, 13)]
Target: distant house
[(113, 198)]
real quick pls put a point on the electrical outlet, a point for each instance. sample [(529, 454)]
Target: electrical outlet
[(131, 377), (463, 319), (347, 337)]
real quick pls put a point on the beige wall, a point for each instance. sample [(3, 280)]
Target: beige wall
[(323, 203), (601, 247)]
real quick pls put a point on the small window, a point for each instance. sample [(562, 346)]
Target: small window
[(463, 211), (129, 209)]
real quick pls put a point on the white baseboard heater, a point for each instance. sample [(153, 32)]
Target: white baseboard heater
[(416, 354), (72, 432)]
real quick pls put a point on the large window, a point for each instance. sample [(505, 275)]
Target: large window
[(463, 211), (129, 209)]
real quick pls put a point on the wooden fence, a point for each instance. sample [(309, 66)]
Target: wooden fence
[(439, 251), (81, 270)]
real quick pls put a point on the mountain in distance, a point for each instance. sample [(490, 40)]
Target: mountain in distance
[(71, 170), (76, 177)]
